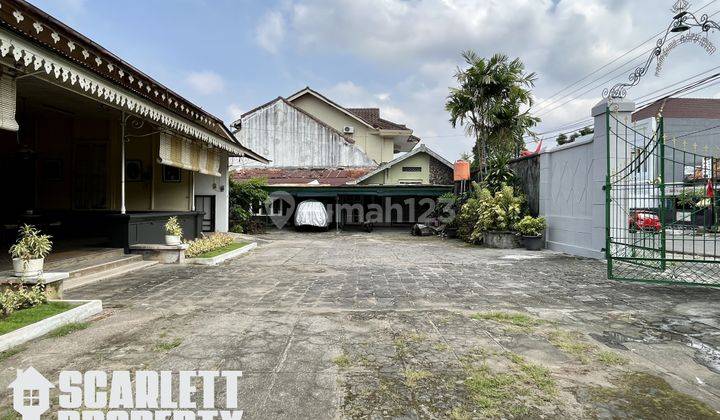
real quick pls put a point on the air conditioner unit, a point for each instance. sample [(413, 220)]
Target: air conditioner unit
[(348, 129)]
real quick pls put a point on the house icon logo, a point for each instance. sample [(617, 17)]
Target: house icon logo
[(31, 393)]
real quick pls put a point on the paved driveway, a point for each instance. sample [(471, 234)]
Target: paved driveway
[(389, 325)]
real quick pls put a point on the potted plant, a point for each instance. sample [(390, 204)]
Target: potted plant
[(173, 231), (29, 252), (532, 229), (499, 212)]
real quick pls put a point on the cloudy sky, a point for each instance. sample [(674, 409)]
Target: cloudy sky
[(229, 56)]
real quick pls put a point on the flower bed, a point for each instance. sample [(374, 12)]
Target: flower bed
[(208, 244), (227, 248)]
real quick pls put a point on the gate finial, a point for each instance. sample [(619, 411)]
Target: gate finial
[(680, 6)]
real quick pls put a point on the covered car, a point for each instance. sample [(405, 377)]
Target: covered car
[(311, 213)]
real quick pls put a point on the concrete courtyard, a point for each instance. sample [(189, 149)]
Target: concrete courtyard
[(385, 325)]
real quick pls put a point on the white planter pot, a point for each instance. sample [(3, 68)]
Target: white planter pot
[(172, 240), (28, 268)]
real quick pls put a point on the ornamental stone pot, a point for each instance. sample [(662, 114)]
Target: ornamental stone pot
[(28, 268), (172, 240), (533, 243), (501, 239)]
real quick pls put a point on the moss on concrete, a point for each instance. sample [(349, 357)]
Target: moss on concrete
[(342, 361), (512, 318), (642, 395), (168, 345)]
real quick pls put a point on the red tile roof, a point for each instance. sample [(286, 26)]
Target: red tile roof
[(302, 176), (681, 108), (372, 117)]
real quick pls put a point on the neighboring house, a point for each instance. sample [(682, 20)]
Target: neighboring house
[(692, 131), (321, 150), (291, 137), (97, 150), (307, 129), (691, 128), (422, 166)]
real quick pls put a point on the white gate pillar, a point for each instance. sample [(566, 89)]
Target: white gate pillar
[(621, 110)]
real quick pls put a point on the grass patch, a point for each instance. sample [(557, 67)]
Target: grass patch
[(68, 329), (641, 395), (536, 374), (511, 318), (24, 317), (11, 352), (441, 347), (459, 414), (609, 358), (511, 392), (413, 377), (342, 361), (227, 248), (570, 343), (168, 345)]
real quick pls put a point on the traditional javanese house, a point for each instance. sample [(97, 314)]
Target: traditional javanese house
[(94, 151)]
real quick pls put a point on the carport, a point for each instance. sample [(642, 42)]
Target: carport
[(401, 205)]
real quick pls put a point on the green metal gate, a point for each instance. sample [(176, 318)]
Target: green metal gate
[(661, 219)]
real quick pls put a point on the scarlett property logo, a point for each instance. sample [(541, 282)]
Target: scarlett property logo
[(125, 395)]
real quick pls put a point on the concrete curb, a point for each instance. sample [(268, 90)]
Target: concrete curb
[(22, 335), (222, 257)]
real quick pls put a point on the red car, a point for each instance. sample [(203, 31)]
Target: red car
[(644, 220)]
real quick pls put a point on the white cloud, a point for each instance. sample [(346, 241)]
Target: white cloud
[(418, 44), (270, 32), (205, 82), (234, 111)]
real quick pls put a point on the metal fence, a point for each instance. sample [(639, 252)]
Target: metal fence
[(661, 218)]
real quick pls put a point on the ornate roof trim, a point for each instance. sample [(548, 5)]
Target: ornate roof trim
[(63, 73), (38, 27)]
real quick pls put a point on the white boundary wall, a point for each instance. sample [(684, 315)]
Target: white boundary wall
[(572, 198)]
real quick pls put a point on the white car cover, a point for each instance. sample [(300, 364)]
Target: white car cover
[(311, 213)]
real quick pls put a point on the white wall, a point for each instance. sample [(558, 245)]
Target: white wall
[(290, 138), (220, 188), (572, 198)]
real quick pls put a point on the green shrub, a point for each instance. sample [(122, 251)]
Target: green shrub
[(31, 244), (469, 213), (446, 208), (531, 226), (486, 211), (243, 196), (500, 211), (690, 198), (499, 173), (23, 297)]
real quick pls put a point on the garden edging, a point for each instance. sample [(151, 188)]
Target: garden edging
[(22, 335), (222, 257)]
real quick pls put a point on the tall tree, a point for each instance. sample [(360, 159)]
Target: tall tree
[(492, 102)]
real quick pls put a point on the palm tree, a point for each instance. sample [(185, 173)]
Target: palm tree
[(492, 102)]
